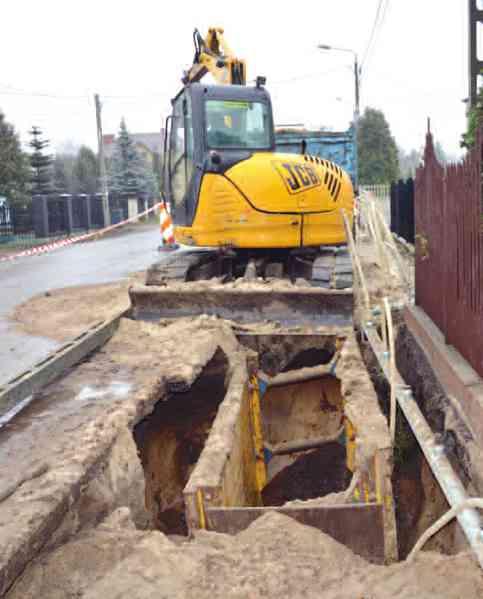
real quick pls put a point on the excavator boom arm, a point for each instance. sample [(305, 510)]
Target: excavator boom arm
[(214, 55)]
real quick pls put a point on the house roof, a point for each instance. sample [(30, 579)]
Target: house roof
[(152, 141)]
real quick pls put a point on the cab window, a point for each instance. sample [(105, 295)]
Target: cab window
[(237, 124), (181, 150)]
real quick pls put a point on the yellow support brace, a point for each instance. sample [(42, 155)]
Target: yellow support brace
[(201, 508), (350, 435), (261, 469)]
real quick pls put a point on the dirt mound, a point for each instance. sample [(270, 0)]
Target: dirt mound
[(275, 557), (65, 313)]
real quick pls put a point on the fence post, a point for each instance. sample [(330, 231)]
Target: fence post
[(86, 211), (40, 216), (410, 211), (95, 208), (69, 220), (392, 196)]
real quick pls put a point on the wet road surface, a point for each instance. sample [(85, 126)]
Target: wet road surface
[(103, 261)]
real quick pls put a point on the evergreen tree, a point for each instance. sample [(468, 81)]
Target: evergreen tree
[(128, 173), (14, 166), (378, 155), (40, 163)]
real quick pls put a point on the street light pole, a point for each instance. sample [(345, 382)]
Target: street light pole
[(356, 103)]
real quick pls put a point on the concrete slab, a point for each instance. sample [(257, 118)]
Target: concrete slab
[(456, 376)]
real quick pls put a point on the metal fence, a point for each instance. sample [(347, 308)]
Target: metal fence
[(57, 215), (6, 225), (449, 248), (15, 222), (381, 193), (402, 209)]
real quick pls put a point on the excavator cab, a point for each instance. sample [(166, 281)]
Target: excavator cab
[(211, 129)]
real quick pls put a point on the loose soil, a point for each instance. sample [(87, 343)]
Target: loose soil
[(65, 313), (275, 557)]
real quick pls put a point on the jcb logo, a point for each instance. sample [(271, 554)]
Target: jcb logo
[(297, 177)]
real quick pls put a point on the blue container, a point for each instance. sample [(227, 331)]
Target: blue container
[(337, 146)]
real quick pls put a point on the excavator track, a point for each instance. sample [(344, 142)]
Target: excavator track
[(305, 287), (327, 268)]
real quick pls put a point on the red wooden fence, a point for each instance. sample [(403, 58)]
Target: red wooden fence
[(449, 248)]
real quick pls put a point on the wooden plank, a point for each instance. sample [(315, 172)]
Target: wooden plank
[(358, 526), (20, 391)]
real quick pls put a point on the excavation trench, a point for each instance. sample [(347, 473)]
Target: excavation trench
[(269, 432), (419, 500), (170, 441), (298, 414)]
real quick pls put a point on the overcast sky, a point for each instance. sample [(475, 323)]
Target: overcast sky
[(133, 54)]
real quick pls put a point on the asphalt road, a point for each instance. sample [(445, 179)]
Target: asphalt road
[(102, 261)]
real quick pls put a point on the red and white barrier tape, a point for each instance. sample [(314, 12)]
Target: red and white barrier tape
[(41, 249)]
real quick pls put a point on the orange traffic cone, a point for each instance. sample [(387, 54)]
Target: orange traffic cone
[(166, 229)]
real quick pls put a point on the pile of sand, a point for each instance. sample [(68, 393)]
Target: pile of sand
[(274, 558)]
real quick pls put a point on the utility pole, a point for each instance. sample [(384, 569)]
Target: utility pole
[(102, 164), (356, 104), (475, 16), (356, 79), (356, 120)]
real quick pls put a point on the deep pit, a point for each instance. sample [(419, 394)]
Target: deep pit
[(171, 439), (419, 501), (292, 414)]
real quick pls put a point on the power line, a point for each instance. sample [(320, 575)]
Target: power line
[(375, 26), (8, 90), (378, 33)]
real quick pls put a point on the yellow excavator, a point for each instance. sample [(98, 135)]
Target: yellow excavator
[(225, 184), (238, 207)]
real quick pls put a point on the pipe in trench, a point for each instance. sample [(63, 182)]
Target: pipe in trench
[(450, 484)]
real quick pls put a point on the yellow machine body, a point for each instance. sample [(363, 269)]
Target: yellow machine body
[(271, 200)]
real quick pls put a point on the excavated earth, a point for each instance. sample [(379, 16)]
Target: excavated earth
[(65, 313), (274, 557), (73, 522)]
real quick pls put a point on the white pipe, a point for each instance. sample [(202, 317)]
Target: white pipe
[(474, 502), (448, 480)]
